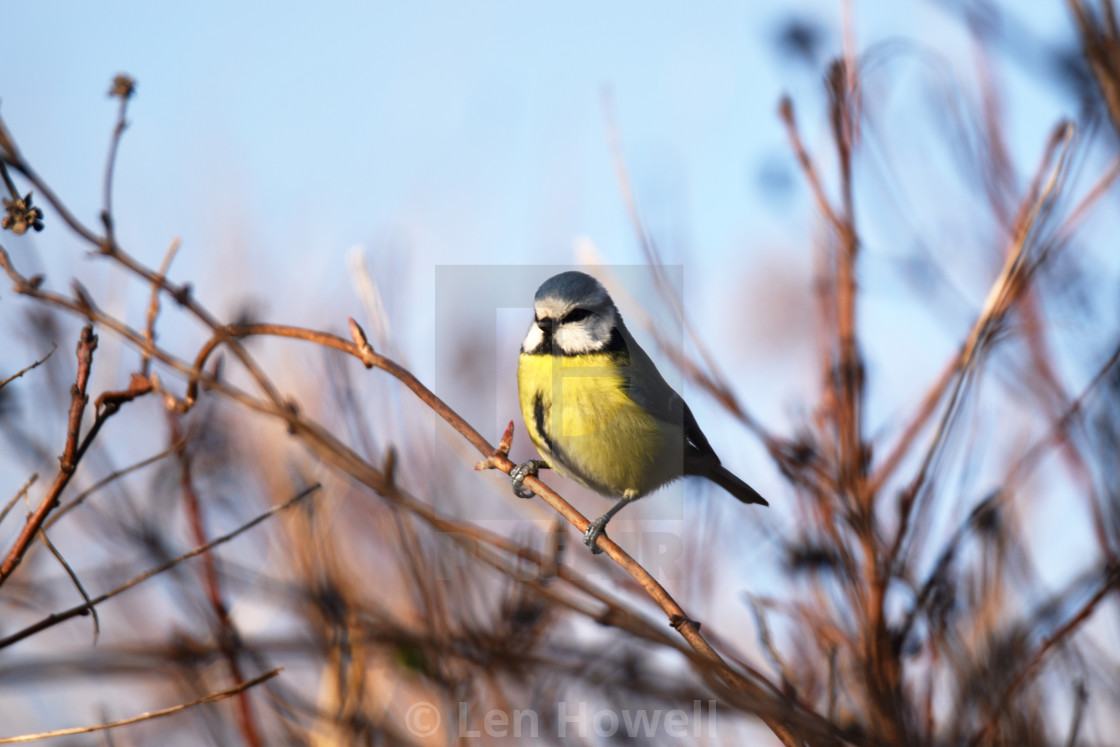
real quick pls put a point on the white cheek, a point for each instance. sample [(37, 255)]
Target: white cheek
[(532, 339), (576, 339)]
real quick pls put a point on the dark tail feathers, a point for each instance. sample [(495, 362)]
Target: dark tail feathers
[(732, 484)]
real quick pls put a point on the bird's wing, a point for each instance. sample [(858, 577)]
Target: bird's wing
[(653, 394), (647, 388)]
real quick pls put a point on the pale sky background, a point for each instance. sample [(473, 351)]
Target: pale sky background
[(273, 138)]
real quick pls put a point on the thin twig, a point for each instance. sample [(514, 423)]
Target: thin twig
[(75, 580), (918, 421), (767, 643), (69, 506), (19, 494), (124, 93), (211, 698), (785, 111), (153, 305), (34, 365)]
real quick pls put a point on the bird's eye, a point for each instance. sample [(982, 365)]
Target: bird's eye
[(575, 315)]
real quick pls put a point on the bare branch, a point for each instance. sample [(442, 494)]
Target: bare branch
[(34, 365), (211, 698)]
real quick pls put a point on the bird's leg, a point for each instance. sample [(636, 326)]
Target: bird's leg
[(518, 474), (599, 526)]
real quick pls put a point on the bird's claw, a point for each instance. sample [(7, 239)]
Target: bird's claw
[(595, 529), (518, 474)]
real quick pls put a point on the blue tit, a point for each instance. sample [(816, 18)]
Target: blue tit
[(597, 409)]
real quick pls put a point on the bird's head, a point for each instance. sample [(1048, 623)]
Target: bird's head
[(573, 314)]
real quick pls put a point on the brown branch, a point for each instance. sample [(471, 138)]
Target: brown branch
[(211, 698), (4, 175), (341, 456), (785, 111), (334, 452), (882, 668), (227, 633), (34, 365), (87, 343), (849, 380), (844, 393), (123, 88), (107, 248), (153, 305), (1099, 44), (13, 159)]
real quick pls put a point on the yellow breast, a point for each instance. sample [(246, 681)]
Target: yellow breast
[(584, 424)]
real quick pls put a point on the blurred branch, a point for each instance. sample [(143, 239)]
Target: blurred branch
[(15, 498), (83, 609), (1100, 43), (226, 632), (1031, 458), (1081, 696), (785, 111), (1109, 580), (69, 506), (211, 698), (1002, 294), (153, 305), (711, 377), (75, 580)]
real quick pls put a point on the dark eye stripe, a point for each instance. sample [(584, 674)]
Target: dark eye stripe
[(575, 315)]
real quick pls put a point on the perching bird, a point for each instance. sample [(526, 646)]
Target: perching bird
[(597, 409)]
